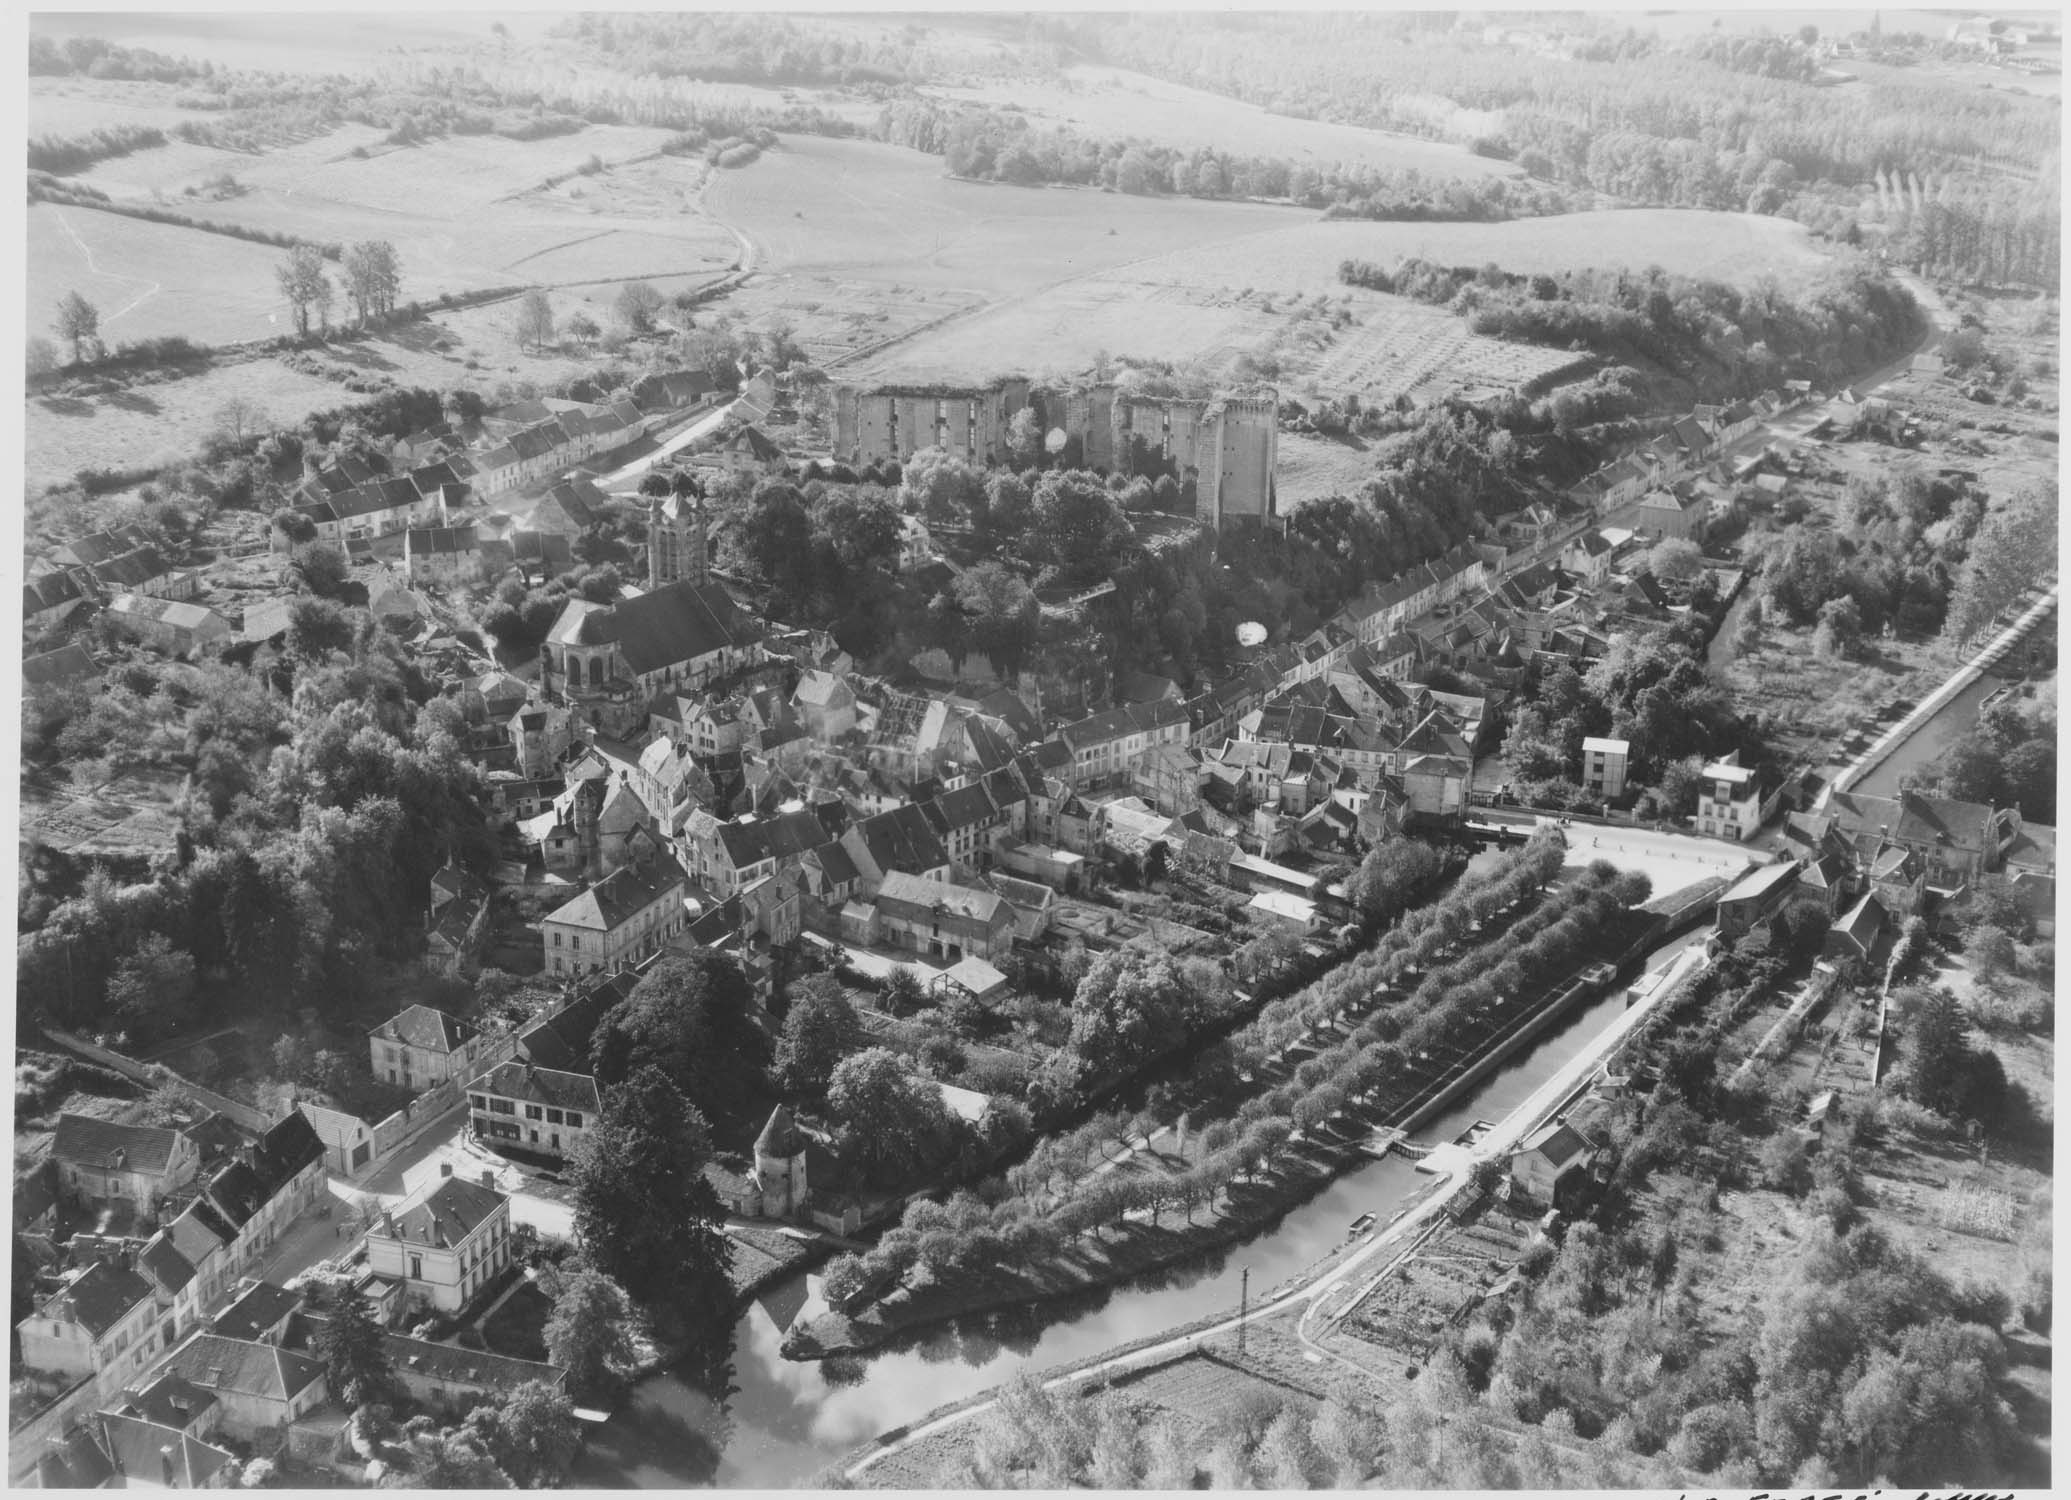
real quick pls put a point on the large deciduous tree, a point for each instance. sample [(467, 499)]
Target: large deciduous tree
[(535, 323), (373, 278), (1132, 1001), (645, 1215), (586, 1332), (530, 1435), (890, 1120), (688, 1016), (1078, 525), (820, 1029), (78, 323), (307, 286), (637, 305)]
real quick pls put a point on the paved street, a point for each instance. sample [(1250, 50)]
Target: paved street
[(624, 481), (534, 1200)]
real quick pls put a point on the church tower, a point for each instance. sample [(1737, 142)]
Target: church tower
[(677, 543)]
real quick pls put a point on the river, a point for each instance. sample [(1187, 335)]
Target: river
[(789, 1419), (1953, 720)]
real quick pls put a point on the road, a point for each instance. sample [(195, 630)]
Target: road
[(623, 481), (1391, 1245)]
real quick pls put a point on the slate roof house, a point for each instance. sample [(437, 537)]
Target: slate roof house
[(420, 1046), (99, 1161), (624, 917)]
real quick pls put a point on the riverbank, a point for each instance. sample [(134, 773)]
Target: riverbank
[(1143, 1242), (1994, 651), (774, 1258)]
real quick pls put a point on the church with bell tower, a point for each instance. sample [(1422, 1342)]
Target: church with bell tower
[(678, 546)]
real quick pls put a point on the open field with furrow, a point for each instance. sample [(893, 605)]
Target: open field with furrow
[(883, 213), (149, 280)]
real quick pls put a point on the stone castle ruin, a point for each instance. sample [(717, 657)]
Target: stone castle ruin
[(1224, 447)]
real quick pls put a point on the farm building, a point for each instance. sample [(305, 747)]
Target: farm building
[(46, 601), (175, 628), (63, 667), (1752, 898), (439, 554)]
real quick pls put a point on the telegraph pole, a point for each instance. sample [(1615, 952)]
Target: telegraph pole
[(1243, 1308)]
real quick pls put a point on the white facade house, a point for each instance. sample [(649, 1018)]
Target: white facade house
[(444, 1244)]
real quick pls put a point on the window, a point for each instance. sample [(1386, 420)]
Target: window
[(532, 1111), (574, 1118), (553, 1117), (575, 940), (477, 1101), (502, 1106), (417, 1268), (557, 936)]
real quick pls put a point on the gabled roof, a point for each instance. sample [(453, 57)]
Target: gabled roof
[(425, 1028), (967, 806), (170, 1398), (49, 591), (243, 1367), (562, 1040), (75, 1461), (1560, 1143), (97, 1298), (537, 1085), (1942, 820), (290, 1145), (1128, 719), (162, 1261), (237, 1193), (621, 896), (1864, 923), (444, 1214), (157, 1456), (69, 663), (1759, 883), (834, 862), (200, 1231), (821, 690), (900, 839), (83, 1141), (454, 1365), (258, 1310), (677, 623), (912, 894), (99, 546), (173, 612)]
